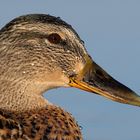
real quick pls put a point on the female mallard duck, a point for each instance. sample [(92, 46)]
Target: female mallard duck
[(37, 53)]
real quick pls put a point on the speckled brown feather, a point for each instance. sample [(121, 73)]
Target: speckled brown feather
[(51, 123)]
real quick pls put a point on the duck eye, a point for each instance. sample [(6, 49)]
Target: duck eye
[(54, 38)]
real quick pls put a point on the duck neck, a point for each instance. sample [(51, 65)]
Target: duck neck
[(20, 96)]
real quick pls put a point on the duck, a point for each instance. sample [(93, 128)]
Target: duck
[(39, 52)]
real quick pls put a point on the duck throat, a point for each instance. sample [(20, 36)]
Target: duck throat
[(20, 96)]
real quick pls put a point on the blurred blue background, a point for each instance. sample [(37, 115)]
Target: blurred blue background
[(111, 31)]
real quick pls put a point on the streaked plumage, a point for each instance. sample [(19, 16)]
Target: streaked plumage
[(37, 53), (50, 123)]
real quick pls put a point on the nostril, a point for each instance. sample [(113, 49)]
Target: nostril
[(99, 73)]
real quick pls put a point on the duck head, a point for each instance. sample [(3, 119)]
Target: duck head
[(45, 52)]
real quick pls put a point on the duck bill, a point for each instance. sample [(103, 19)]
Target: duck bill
[(94, 79)]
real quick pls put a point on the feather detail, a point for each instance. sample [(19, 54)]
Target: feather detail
[(50, 123)]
